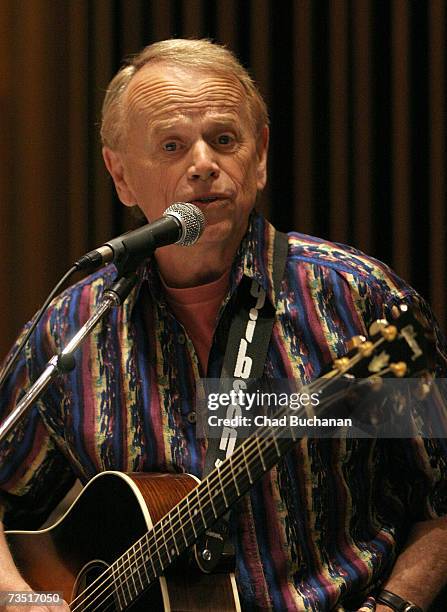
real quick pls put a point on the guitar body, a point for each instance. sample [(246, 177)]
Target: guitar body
[(111, 513)]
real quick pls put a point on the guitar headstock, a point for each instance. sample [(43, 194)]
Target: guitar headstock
[(367, 383), (403, 347)]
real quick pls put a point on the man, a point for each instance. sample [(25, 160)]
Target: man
[(322, 530)]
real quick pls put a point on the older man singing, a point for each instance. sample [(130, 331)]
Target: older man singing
[(338, 524)]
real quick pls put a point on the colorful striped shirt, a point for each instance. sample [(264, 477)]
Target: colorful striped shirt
[(321, 530)]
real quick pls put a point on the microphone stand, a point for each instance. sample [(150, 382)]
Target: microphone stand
[(64, 361)]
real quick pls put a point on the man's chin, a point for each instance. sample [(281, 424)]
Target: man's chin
[(219, 232)]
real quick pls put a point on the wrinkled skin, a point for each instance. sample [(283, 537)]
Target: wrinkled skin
[(189, 136)]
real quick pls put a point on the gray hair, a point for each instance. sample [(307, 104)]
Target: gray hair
[(202, 55)]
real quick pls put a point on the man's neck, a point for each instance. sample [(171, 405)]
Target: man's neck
[(190, 266)]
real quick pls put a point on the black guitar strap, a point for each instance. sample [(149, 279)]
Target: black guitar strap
[(245, 354), (248, 339)]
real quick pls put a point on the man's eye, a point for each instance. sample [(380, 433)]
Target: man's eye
[(225, 139), (170, 146)]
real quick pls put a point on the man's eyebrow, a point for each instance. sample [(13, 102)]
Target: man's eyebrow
[(163, 125), (171, 124)]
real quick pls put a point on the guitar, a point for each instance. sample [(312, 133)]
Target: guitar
[(118, 544)]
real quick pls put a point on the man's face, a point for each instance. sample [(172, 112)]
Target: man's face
[(189, 138)]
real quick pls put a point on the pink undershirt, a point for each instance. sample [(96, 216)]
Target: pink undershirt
[(196, 308)]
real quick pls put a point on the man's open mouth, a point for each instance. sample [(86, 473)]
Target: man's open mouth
[(206, 200)]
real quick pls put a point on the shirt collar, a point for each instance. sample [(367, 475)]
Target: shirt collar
[(254, 258)]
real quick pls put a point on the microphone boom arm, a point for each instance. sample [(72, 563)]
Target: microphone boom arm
[(64, 361)]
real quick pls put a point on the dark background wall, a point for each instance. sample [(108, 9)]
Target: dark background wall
[(356, 90)]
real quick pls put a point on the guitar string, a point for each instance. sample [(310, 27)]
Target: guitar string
[(219, 476), (121, 561), (172, 526), (133, 570), (136, 569), (214, 476)]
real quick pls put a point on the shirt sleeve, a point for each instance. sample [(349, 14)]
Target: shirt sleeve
[(416, 472), (34, 472), (420, 463)]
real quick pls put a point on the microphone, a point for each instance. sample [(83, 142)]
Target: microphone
[(182, 223)]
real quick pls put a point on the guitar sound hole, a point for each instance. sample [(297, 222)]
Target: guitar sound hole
[(95, 593)]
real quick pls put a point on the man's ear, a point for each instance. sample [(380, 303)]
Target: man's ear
[(115, 166), (262, 148)]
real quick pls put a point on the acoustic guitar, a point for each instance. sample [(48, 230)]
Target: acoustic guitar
[(122, 542)]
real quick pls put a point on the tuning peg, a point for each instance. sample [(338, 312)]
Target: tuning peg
[(381, 326), (389, 333), (422, 390), (366, 349), (355, 342), (377, 326), (341, 364), (375, 383), (424, 387), (399, 369)]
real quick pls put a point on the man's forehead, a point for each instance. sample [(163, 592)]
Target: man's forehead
[(159, 91)]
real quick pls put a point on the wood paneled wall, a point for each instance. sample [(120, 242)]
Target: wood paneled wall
[(356, 90)]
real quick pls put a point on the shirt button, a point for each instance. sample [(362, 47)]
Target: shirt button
[(191, 417), (181, 338)]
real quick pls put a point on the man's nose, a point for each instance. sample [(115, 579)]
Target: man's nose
[(203, 162)]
